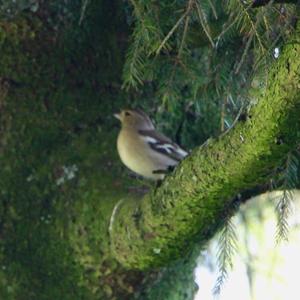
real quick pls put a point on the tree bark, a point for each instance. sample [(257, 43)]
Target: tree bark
[(192, 203)]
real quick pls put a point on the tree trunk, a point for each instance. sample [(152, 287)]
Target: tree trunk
[(60, 175)]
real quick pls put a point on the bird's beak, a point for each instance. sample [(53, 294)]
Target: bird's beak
[(118, 116)]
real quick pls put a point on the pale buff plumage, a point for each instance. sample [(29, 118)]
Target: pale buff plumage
[(144, 150)]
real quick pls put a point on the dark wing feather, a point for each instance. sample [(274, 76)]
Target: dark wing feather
[(162, 144)]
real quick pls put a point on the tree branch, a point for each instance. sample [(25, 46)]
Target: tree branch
[(192, 203), (258, 3)]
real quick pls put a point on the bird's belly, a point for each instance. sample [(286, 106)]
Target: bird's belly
[(141, 159)]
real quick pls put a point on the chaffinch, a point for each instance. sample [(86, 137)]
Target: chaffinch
[(144, 150)]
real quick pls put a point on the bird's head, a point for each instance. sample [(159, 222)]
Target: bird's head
[(134, 119)]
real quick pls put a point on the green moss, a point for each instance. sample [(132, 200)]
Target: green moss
[(193, 203), (62, 93)]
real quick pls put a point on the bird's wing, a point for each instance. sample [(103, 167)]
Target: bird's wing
[(162, 144), (146, 118)]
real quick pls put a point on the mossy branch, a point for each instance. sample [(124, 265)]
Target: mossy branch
[(194, 202)]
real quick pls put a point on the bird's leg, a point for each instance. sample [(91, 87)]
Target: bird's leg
[(170, 169), (166, 171), (143, 186), (160, 172), (158, 183)]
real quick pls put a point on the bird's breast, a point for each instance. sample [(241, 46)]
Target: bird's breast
[(138, 156)]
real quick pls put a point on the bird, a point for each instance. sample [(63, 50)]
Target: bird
[(144, 150)]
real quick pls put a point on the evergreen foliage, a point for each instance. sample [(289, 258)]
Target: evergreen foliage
[(190, 63), (199, 58), (289, 181), (226, 250)]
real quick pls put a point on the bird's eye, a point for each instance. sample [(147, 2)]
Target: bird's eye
[(127, 113)]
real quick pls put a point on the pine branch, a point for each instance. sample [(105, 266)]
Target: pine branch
[(284, 205), (173, 29), (227, 246), (283, 210), (185, 30), (170, 33), (259, 3), (213, 9), (245, 52), (83, 10), (204, 24), (237, 17), (145, 38), (251, 34), (135, 61)]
